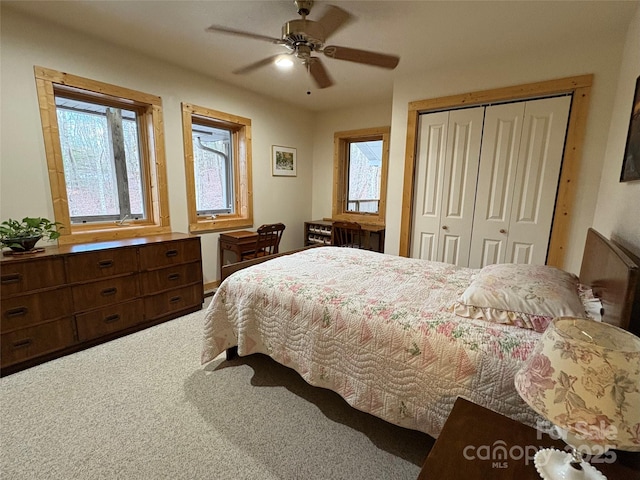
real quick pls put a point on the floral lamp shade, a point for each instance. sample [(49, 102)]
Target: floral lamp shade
[(584, 376)]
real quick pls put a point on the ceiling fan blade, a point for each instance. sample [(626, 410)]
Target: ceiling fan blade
[(254, 66), (362, 56), (319, 73), (242, 33), (333, 19)]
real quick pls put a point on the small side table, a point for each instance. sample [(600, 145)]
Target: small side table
[(468, 448)]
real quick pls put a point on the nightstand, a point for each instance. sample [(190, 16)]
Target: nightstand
[(468, 448)]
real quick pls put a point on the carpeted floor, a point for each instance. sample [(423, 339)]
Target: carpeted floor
[(142, 407)]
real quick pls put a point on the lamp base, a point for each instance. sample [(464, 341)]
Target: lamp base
[(553, 464)]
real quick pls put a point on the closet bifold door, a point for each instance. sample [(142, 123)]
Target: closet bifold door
[(539, 161), (520, 163), (446, 173)]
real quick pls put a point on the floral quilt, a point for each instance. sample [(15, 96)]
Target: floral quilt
[(377, 329)]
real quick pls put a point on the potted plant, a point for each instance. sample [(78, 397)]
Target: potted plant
[(22, 236)]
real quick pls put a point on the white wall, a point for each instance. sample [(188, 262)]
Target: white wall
[(618, 210), (602, 58), (24, 179), (327, 123)]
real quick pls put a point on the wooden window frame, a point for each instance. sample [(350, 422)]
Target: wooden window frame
[(150, 129), (341, 140), (243, 194), (580, 89)]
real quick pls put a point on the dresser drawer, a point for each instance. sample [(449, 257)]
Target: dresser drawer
[(157, 306), (25, 310), (105, 292), (21, 277), (172, 277), (169, 253), (106, 320), (31, 342), (101, 264)]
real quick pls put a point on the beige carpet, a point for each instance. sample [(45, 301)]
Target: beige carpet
[(142, 407)]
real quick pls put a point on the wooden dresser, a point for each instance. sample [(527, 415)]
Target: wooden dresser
[(72, 297)]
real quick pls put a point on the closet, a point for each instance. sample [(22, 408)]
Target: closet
[(486, 180)]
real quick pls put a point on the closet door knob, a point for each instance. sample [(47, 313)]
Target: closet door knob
[(444, 227), (502, 230)]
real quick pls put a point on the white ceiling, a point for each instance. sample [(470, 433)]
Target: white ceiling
[(425, 34)]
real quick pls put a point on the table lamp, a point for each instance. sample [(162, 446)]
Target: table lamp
[(584, 377)]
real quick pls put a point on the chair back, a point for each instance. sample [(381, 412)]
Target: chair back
[(347, 234), (268, 239)]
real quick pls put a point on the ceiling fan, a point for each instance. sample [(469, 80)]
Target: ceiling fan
[(303, 37)]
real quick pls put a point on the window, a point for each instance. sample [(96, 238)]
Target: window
[(213, 168), (217, 150), (101, 159), (360, 175), (364, 163), (106, 169)]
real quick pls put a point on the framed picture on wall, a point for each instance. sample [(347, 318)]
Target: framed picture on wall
[(283, 161), (631, 160)]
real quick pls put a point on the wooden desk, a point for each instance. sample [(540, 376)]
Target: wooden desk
[(239, 242), (457, 454)]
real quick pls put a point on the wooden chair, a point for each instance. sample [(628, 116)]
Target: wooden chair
[(267, 242), (347, 234)]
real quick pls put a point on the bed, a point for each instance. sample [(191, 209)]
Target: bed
[(385, 332)]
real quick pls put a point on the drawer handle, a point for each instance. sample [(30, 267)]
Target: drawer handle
[(173, 276), (111, 318), (175, 299), (171, 253), (23, 343), (13, 278), (16, 312), (109, 291), (105, 263)]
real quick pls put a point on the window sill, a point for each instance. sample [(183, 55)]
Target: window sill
[(219, 224), (86, 234), (371, 219)]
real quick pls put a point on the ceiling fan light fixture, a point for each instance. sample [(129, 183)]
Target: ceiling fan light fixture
[(284, 62), (303, 37)]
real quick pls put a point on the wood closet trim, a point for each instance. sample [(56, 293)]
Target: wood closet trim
[(579, 87)]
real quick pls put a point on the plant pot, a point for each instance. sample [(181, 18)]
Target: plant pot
[(22, 244)]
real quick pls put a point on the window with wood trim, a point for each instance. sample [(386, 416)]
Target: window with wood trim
[(105, 153), (360, 163), (217, 155)]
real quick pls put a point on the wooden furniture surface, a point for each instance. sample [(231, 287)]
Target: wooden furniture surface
[(71, 297), (468, 448), (614, 277), (319, 232), (238, 243)]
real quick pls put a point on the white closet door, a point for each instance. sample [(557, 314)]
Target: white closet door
[(496, 179), (448, 154), (432, 141), (464, 139), (539, 161)]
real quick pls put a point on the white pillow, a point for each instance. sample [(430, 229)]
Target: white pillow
[(527, 296)]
